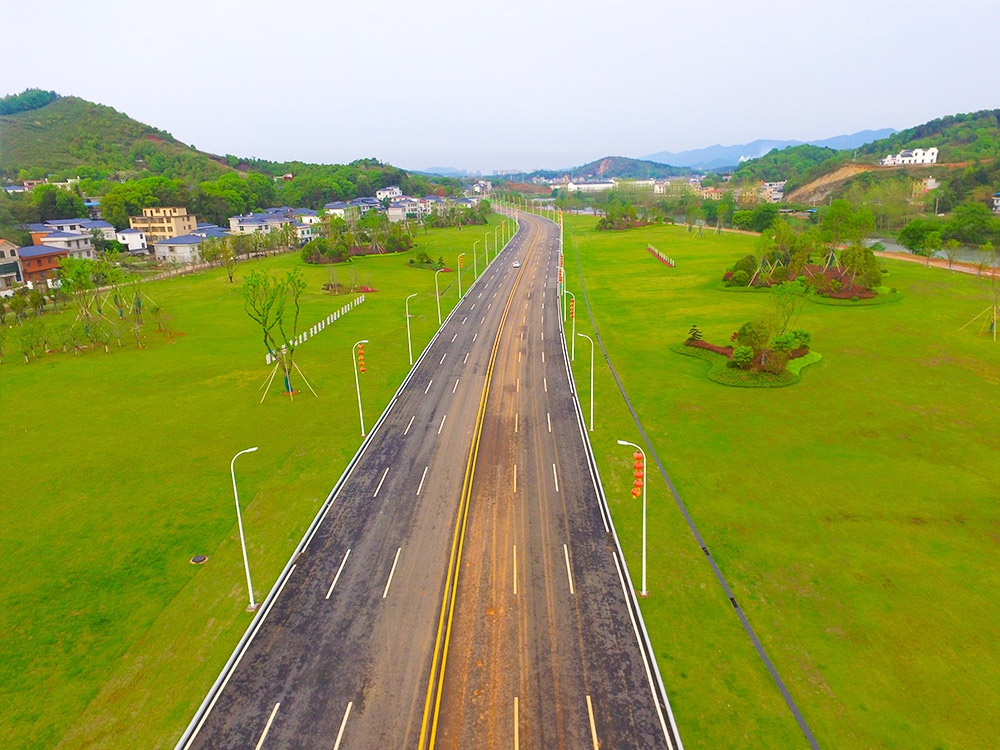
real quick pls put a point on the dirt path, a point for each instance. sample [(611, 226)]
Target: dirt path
[(958, 265)]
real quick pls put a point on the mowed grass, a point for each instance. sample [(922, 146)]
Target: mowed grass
[(116, 472), (855, 513)]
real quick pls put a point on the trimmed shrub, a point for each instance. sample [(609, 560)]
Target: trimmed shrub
[(739, 278), (743, 357)]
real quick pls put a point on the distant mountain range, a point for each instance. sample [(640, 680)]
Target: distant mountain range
[(718, 157)]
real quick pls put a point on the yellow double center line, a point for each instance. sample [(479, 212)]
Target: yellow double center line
[(435, 685)]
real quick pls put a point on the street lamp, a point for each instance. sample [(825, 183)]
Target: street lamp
[(591, 378), (573, 335), (475, 265), (460, 256), (486, 244), (644, 592), (239, 520), (357, 384), (495, 230), (409, 342), (437, 294)]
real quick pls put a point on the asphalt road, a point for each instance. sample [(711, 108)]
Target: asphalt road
[(371, 643)]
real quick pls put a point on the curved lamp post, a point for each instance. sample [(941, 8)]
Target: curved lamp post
[(644, 592), (239, 521), (357, 383), (437, 294), (409, 342)]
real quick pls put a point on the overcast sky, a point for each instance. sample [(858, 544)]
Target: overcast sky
[(522, 84)]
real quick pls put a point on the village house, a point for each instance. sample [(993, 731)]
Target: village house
[(39, 263), (10, 266), (911, 156), (180, 250), (164, 222), (133, 240), (389, 192)]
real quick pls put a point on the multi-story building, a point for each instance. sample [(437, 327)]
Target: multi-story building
[(163, 222), (40, 262), (10, 268)]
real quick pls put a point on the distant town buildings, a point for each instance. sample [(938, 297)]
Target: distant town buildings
[(911, 156)]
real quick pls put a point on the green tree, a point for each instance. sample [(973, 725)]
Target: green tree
[(932, 243), (273, 303), (951, 248), (787, 303)]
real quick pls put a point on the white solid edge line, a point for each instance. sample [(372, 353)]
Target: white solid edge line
[(339, 571), (422, 478), (343, 724), (642, 652), (238, 660), (267, 727), (569, 570), (593, 727), (393, 570), (384, 473)]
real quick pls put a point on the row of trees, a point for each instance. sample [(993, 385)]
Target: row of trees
[(111, 308), (832, 257), (459, 216)]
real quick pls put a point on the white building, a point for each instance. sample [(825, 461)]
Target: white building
[(996, 203), (133, 240), (390, 192), (183, 249), (251, 223), (911, 156), (589, 187)]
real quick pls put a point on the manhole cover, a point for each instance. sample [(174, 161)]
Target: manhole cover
[(198, 559)]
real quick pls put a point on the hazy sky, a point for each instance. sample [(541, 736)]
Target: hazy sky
[(513, 85)]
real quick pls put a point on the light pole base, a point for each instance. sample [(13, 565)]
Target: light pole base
[(643, 594), (253, 607)]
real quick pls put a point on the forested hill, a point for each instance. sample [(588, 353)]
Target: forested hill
[(619, 167), (959, 138), (71, 137)]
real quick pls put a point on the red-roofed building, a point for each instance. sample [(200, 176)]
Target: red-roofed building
[(39, 262)]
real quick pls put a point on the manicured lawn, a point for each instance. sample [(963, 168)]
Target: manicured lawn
[(854, 513), (116, 472)]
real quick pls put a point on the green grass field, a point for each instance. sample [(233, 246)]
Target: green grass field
[(855, 513), (116, 472)]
